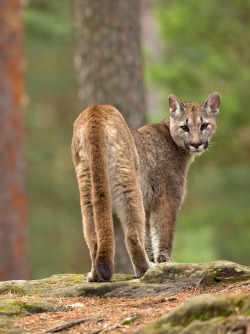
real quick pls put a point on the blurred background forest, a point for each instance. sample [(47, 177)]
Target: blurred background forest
[(191, 49)]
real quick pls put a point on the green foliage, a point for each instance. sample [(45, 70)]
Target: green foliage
[(48, 21), (206, 48), (217, 209)]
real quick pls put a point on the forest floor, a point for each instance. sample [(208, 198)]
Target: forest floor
[(114, 315)]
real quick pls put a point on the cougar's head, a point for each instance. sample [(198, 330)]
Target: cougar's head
[(192, 125)]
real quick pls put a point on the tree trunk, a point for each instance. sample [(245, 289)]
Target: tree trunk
[(109, 66), (108, 56), (13, 252)]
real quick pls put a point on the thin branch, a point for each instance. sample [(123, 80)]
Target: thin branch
[(66, 325), (123, 322), (199, 283)]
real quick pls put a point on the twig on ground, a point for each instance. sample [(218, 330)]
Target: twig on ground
[(123, 322), (66, 325), (199, 283), (129, 320)]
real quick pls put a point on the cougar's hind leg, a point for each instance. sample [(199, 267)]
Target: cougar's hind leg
[(84, 181), (132, 216)]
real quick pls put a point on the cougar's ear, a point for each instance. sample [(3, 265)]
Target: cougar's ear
[(176, 107), (212, 104)]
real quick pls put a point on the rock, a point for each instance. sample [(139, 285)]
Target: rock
[(165, 279), (45, 287), (207, 273), (207, 314), (24, 306)]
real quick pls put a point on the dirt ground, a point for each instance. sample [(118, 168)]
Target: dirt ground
[(114, 315)]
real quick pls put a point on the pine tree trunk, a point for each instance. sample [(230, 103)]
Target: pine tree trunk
[(109, 67), (108, 56), (13, 252)]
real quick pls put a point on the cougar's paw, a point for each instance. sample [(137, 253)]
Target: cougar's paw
[(139, 273), (92, 277), (152, 264), (162, 258)]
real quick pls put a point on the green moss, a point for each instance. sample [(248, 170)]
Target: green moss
[(122, 277), (67, 278), (12, 288)]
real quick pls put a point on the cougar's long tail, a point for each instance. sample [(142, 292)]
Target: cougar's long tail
[(97, 148)]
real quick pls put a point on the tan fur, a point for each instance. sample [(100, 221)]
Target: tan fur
[(141, 174)]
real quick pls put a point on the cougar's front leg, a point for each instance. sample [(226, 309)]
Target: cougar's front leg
[(148, 242), (162, 225), (130, 211)]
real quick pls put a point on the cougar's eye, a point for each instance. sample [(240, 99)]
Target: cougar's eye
[(185, 128), (204, 126)]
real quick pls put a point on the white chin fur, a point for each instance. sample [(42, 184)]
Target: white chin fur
[(197, 152)]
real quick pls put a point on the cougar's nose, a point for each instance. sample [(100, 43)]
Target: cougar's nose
[(196, 145)]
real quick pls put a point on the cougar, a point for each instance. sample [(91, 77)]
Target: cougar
[(138, 173)]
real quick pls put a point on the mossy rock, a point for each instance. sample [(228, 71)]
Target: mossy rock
[(41, 286), (164, 279), (206, 273), (208, 314), (20, 307)]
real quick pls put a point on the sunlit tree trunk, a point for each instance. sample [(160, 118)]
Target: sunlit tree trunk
[(109, 67), (13, 251)]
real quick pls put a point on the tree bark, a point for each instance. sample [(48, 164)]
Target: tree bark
[(108, 56), (13, 250), (109, 67)]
